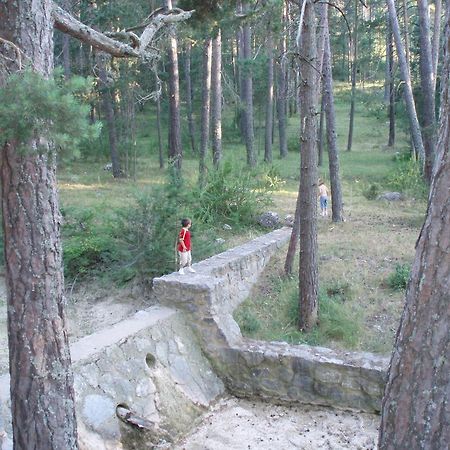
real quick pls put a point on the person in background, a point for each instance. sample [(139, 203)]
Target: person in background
[(323, 197), (184, 247)]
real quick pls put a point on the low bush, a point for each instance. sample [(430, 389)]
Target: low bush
[(398, 280), (407, 178), (231, 196), (372, 191), (248, 321)]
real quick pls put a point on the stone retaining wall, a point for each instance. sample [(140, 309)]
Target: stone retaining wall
[(150, 364), (272, 371)]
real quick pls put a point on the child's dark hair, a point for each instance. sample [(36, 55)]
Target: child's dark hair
[(185, 222)]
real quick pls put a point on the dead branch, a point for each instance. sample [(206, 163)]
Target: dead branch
[(104, 41)]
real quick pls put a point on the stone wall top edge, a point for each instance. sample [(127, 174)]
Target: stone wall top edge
[(363, 360), (206, 269), (98, 341)]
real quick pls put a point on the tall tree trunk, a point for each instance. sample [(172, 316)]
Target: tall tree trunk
[(107, 100), (158, 127), (436, 39), (190, 114), (308, 270), (408, 94), (269, 100), (248, 94), (406, 33), (281, 90), (427, 91), (206, 95), (354, 64), (66, 45), (41, 386), (415, 408), (333, 154), (391, 86), (175, 148), (320, 140), (216, 99)]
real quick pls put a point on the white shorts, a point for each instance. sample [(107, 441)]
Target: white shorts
[(185, 258)]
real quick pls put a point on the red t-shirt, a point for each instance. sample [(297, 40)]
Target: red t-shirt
[(185, 235)]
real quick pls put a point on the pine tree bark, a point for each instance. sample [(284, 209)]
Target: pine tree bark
[(391, 85), (108, 107), (188, 78), (427, 91), (333, 154), (175, 148), (247, 88), (408, 94), (436, 39), (42, 400), (206, 95), (354, 64), (415, 410), (216, 99), (282, 90), (269, 101), (308, 269)]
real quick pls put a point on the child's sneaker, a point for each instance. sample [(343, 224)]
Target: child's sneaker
[(190, 269), (181, 271)]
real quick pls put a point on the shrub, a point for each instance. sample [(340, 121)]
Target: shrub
[(408, 178), (248, 321), (372, 191), (229, 196), (337, 320), (149, 229), (399, 278)]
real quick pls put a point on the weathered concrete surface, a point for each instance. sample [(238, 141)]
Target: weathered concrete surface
[(273, 371), (150, 363)]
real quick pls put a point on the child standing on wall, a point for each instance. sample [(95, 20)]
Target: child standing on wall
[(184, 247), (323, 197)]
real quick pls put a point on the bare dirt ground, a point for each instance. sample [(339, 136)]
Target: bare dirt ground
[(236, 424)]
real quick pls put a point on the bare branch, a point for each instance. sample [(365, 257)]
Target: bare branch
[(138, 49), (68, 24)]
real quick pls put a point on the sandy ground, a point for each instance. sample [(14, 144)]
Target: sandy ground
[(236, 424)]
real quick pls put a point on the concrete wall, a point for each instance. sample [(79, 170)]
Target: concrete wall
[(272, 371)]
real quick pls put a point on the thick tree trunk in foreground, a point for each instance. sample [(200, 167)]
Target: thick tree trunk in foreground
[(206, 95), (404, 70), (415, 409), (333, 154), (308, 270), (216, 99), (427, 88), (41, 390)]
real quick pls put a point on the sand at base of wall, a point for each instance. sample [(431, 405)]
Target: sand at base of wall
[(237, 424)]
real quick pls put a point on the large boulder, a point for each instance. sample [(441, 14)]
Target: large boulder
[(391, 196), (269, 219)]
